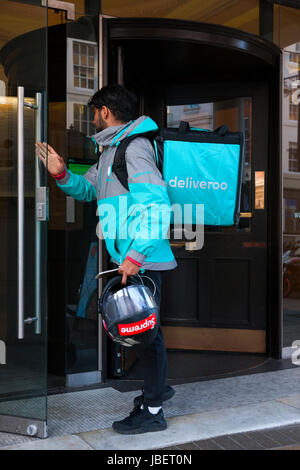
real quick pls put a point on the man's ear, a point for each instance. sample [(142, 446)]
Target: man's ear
[(105, 112)]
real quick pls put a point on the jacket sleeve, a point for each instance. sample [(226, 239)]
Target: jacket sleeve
[(81, 187), (151, 205)]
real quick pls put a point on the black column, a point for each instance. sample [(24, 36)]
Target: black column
[(92, 7), (266, 19)]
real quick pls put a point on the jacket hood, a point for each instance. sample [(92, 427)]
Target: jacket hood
[(111, 136)]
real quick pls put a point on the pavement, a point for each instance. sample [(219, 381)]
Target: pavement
[(241, 412)]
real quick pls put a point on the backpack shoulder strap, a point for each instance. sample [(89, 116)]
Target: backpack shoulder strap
[(119, 165)]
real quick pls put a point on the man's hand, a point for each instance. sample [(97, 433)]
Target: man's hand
[(52, 161), (128, 268)]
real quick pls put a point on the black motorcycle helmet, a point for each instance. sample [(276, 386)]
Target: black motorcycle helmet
[(130, 314)]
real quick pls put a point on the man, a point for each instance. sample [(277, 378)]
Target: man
[(113, 108)]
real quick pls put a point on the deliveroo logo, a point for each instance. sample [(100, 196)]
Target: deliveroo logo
[(190, 183), (2, 352)]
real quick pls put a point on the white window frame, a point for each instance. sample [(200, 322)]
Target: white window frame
[(291, 105), (81, 120), (292, 146), (74, 99), (70, 68)]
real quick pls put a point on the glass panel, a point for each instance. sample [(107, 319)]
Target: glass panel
[(286, 25), (287, 36), (259, 190), (76, 111), (241, 15), (23, 373), (81, 336), (237, 115)]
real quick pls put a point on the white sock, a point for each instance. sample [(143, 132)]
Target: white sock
[(154, 410), (142, 407)]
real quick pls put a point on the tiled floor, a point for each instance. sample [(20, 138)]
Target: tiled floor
[(199, 411), (283, 438)]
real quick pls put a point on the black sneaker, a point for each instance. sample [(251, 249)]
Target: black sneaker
[(140, 421), (168, 394)]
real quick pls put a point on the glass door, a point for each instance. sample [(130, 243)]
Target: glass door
[(23, 219)]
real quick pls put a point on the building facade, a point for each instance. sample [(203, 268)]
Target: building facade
[(230, 306)]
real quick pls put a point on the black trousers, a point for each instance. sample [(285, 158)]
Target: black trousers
[(154, 357)]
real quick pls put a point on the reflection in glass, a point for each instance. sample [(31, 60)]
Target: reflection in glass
[(81, 334), (84, 57), (23, 54), (290, 144), (259, 190), (289, 40)]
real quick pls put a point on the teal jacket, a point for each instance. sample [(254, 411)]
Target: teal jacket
[(134, 223)]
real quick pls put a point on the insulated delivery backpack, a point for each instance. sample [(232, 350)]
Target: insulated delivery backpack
[(199, 167)]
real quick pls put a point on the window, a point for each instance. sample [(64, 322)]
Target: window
[(82, 83), (293, 109), (191, 108), (294, 57), (83, 117), (198, 115), (84, 61), (293, 157)]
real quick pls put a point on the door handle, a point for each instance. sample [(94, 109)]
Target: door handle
[(21, 215), (20, 212), (38, 233)]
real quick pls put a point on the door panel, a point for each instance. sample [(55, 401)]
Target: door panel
[(23, 214), (212, 339), (231, 280)]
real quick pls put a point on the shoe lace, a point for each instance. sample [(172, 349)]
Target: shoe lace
[(136, 410)]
